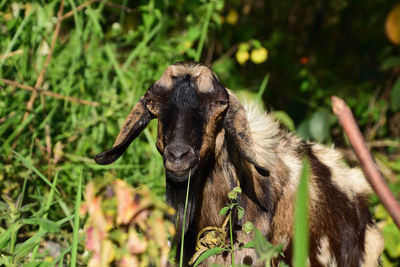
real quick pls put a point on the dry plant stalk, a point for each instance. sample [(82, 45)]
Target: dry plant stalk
[(370, 168), (50, 93), (42, 73)]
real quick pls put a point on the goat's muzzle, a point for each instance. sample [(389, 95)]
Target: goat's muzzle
[(179, 159)]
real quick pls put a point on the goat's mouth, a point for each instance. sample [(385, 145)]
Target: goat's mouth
[(177, 174)]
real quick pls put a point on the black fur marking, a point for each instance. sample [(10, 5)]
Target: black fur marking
[(181, 118), (176, 196), (184, 95), (342, 222)]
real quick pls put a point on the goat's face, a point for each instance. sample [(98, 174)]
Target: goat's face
[(191, 106)]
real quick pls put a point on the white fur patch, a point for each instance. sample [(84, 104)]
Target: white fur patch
[(373, 246), (324, 255), (272, 143), (350, 181), (202, 74)]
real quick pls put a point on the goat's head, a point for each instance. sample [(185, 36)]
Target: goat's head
[(191, 106)]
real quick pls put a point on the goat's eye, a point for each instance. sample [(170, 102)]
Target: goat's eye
[(221, 102)]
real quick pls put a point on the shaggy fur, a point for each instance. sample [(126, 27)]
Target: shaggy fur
[(225, 142)]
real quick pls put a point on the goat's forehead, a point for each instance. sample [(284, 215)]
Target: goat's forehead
[(202, 74)]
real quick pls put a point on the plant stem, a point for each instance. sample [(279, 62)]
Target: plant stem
[(184, 222), (231, 236)]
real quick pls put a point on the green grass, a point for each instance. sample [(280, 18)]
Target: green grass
[(184, 223), (300, 246), (49, 155), (110, 55)]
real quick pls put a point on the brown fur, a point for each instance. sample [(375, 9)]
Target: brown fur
[(244, 144), (131, 120)]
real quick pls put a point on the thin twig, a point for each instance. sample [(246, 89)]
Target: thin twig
[(13, 53), (124, 8), (50, 93), (2, 120), (384, 143), (370, 168), (78, 8), (40, 78), (87, 3)]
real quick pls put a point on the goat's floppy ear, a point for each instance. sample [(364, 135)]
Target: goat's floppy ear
[(136, 121), (237, 126)]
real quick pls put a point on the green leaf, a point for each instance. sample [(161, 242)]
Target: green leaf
[(265, 250), (391, 62), (27, 207), (25, 248), (234, 193), (240, 212), (319, 125), (5, 237), (46, 224), (208, 253), (301, 218), (395, 96), (248, 227), (284, 118), (33, 264), (224, 210), (392, 240), (249, 244), (3, 206)]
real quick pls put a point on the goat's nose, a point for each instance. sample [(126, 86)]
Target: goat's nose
[(175, 152)]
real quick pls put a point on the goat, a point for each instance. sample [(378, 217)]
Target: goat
[(203, 129)]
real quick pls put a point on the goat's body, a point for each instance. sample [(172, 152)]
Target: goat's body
[(205, 133), (342, 232)]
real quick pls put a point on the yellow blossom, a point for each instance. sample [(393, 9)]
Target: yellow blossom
[(232, 17), (242, 56), (259, 55)]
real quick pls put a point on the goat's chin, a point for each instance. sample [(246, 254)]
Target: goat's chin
[(179, 176)]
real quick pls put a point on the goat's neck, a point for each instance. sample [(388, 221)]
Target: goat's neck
[(218, 182), (229, 170)]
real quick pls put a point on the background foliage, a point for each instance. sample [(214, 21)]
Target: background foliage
[(292, 54)]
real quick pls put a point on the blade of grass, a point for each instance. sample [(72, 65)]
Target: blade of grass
[(138, 49), (18, 130), (75, 240), (262, 88), (184, 222), (47, 205), (32, 168), (117, 69), (26, 174), (78, 26), (36, 238), (301, 218), (204, 30), (62, 254), (65, 209), (15, 37)]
